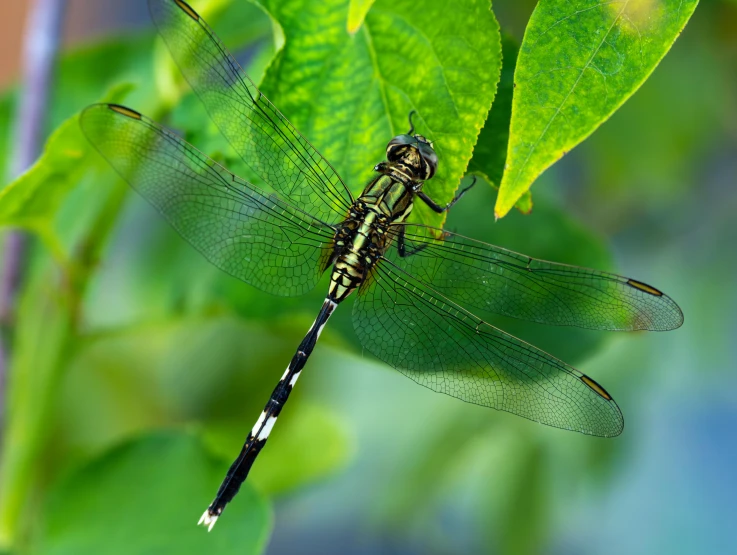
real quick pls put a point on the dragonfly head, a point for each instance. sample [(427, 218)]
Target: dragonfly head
[(415, 153)]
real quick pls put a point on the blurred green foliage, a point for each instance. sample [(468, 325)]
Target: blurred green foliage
[(138, 369), (152, 503)]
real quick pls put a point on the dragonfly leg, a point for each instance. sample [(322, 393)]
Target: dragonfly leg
[(440, 209), (256, 440), (402, 245)]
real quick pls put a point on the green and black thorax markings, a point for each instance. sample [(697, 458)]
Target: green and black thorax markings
[(365, 235), (415, 285)]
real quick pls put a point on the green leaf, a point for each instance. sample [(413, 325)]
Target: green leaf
[(490, 153), (350, 94), (578, 63), (357, 11), (145, 497), (276, 472), (32, 200)]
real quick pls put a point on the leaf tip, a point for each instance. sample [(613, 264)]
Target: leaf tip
[(357, 11), (501, 209)]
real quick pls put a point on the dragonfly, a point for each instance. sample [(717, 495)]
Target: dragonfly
[(415, 286)]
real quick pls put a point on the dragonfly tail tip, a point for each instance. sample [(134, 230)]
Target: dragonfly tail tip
[(208, 520)]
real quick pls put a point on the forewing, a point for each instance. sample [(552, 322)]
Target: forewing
[(250, 235), (447, 349), (259, 133), (479, 275)]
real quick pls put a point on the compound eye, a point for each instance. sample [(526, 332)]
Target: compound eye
[(429, 160), (397, 145)]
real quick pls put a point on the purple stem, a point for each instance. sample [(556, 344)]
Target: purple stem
[(41, 43)]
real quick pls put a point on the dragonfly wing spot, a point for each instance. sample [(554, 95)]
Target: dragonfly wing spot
[(123, 111), (186, 8), (644, 287), (596, 387)]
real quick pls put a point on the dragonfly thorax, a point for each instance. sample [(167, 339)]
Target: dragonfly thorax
[(413, 155)]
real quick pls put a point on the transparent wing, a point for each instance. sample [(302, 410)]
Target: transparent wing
[(447, 349), (260, 134), (480, 275), (254, 237)]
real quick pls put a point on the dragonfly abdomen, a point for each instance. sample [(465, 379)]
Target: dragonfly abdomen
[(354, 262), (359, 243)]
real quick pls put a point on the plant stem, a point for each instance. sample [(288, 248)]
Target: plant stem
[(41, 43)]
